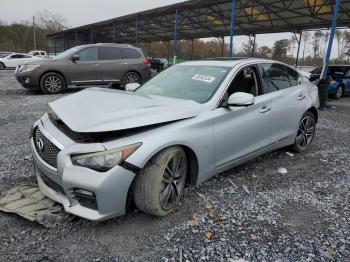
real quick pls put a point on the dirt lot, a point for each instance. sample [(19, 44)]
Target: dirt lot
[(251, 212)]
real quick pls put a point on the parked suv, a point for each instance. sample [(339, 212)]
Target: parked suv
[(341, 77), (95, 64)]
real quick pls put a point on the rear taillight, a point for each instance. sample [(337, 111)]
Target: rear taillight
[(147, 63)]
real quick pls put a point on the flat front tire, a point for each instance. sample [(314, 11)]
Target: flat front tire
[(52, 83), (160, 185), (306, 132)]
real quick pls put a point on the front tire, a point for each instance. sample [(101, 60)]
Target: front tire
[(2, 66), (160, 184), (52, 83), (306, 132)]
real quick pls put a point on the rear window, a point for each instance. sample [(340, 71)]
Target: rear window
[(109, 53), (129, 53)]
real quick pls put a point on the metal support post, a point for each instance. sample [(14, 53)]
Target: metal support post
[(331, 37), (137, 31), (175, 35), (232, 27), (299, 43)]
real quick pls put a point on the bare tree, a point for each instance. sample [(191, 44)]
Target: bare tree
[(49, 21)]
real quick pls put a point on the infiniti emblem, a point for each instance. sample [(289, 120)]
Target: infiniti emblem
[(40, 145)]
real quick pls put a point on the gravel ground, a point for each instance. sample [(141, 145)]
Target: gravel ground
[(250, 213)]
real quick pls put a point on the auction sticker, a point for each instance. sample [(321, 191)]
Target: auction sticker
[(204, 78)]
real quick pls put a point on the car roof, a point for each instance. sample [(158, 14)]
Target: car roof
[(229, 63), (107, 44), (339, 65)]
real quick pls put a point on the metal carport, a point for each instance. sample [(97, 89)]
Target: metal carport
[(209, 18)]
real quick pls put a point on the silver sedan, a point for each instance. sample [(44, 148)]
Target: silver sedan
[(99, 149)]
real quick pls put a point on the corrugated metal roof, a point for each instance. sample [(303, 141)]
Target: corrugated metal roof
[(211, 18)]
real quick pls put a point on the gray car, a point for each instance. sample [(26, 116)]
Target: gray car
[(97, 64), (100, 148)]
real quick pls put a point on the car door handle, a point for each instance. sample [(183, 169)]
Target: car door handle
[(96, 64), (301, 97), (264, 109)]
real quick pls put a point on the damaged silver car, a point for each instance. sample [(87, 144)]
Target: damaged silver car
[(100, 148)]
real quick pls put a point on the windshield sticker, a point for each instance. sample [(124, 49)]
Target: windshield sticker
[(204, 78)]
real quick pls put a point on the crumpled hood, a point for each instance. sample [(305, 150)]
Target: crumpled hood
[(101, 110)]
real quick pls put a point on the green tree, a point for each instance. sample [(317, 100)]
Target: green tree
[(280, 49)]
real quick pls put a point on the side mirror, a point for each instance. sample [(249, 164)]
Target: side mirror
[(131, 87), (75, 58), (241, 99)]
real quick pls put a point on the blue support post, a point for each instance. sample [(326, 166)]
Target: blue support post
[(175, 35), (232, 27), (331, 37), (137, 31)]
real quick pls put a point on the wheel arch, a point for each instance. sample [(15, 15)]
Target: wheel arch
[(192, 162), (314, 111), (54, 71)]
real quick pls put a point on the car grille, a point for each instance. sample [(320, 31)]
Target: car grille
[(51, 184), (48, 151)]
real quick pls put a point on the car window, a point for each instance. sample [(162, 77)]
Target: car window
[(42, 53), (189, 82), (347, 74), (26, 56), (129, 53), (15, 56), (36, 53), (88, 54), (245, 81), (337, 71), (277, 77), (109, 53)]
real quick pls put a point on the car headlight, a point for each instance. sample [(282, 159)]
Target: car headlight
[(104, 160), (27, 68)]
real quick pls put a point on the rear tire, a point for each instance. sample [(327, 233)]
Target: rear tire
[(306, 133), (339, 92), (2, 66), (52, 83), (160, 184), (131, 77)]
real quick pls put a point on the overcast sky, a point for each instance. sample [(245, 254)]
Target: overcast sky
[(80, 12)]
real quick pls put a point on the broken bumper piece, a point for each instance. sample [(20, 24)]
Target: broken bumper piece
[(29, 202)]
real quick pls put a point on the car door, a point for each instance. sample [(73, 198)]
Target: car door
[(346, 82), (288, 100), (13, 60), (240, 132), (86, 70), (112, 64)]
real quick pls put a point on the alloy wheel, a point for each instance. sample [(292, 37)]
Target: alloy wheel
[(132, 78), (53, 84), (306, 131), (339, 92), (173, 181)]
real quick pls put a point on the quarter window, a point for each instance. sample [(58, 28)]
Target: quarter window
[(277, 77), (88, 54), (129, 53)]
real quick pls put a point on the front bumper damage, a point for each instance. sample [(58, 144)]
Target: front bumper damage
[(83, 192)]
